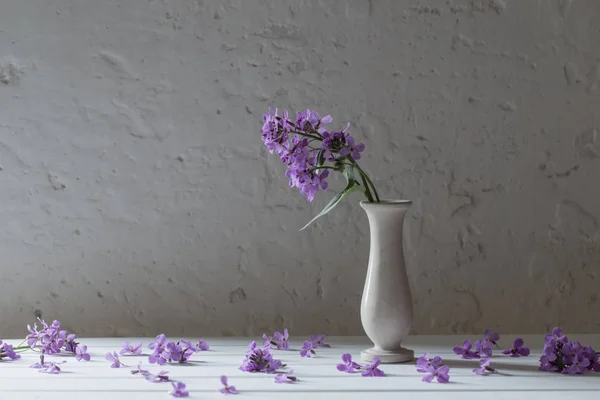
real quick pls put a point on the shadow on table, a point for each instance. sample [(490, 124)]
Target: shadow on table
[(504, 369)]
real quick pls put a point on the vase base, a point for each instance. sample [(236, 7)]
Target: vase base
[(388, 357)]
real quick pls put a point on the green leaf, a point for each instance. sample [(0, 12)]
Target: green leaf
[(352, 186)]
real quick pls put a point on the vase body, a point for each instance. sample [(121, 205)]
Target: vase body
[(386, 310)]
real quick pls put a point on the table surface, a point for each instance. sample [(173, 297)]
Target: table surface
[(318, 377)]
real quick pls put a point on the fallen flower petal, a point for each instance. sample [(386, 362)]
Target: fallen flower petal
[(226, 388), (372, 368), (348, 365), (179, 390), (285, 377), (131, 349)]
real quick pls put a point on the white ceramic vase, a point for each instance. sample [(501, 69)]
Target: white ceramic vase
[(386, 309)]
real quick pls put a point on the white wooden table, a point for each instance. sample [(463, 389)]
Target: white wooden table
[(318, 377)]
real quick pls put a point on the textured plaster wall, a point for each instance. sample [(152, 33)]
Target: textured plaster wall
[(136, 196)]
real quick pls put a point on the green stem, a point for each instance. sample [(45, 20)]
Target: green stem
[(366, 180), (22, 348), (367, 191)]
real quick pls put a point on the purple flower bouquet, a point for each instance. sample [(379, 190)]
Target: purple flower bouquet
[(310, 151)]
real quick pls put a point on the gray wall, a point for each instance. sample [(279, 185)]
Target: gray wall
[(136, 196)]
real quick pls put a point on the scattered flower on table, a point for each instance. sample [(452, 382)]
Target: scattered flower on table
[(81, 353), (465, 350), (424, 362), (179, 390), (52, 367), (310, 151), (308, 349), (226, 388), (484, 367), (51, 339), (202, 345), (441, 374), (348, 365), (140, 370), (131, 349), (282, 340), (285, 377), (164, 351), (372, 368), (319, 340), (114, 358), (483, 348), (491, 337), (47, 367), (518, 349), (162, 376), (268, 340), (260, 360), (557, 334), (7, 350), (433, 368), (567, 357)]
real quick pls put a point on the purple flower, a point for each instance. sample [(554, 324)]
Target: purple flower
[(285, 377), (140, 370), (162, 376), (47, 367), (352, 149), (114, 358), (281, 340), (168, 351), (202, 345), (557, 334), (518, 349), (319, 340), (6, 350), (372, 368), (434, 368), (52, 367), (178, 390), (578, 365), (159, 343), (307, 349), (310, 120), (465, 350), (568, 357), (51, 339), (260, 360), (571, 351), (484, 367), (187, 349), (276, 131), (268, 341), (491, 337), (424, 362), (81, 353), (348, 365), (226, 388), (173, 352), (483, 348), (131, 349), (302, 168), (440, 373)]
